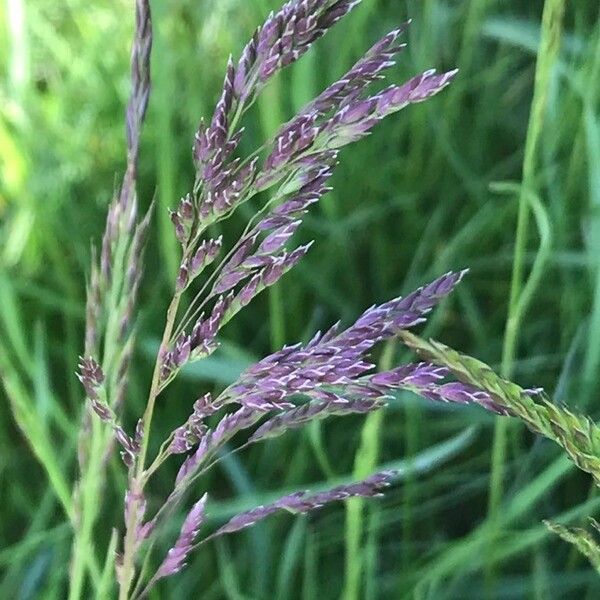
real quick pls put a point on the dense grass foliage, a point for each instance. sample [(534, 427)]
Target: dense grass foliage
[(434, 189)]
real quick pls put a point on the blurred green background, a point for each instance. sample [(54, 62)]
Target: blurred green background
[(424, 194)]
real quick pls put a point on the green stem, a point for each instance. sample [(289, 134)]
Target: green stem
[(271, 115), (89, 487), (137, 485), (276, 317), (107, 580), (147, 418), (365, 462), (547, 55)]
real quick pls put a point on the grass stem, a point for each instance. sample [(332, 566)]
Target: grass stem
[(548, 52)]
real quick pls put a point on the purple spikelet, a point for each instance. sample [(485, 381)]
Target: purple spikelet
[(425, 379), (420, 374), (188, 435), (384, 321), (285, 36), (461, 393), (177, 555), (91, 376), (227, 427)]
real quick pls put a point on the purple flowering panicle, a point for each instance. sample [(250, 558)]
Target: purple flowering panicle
[(331, 375), (301, 159), (303, 153)]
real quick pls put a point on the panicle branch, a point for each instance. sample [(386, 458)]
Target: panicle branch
[(302, 502)]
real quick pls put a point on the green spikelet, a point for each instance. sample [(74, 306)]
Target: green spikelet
[(582, 539), (578, 435)]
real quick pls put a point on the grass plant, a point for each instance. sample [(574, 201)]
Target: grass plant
[(499, 173)]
